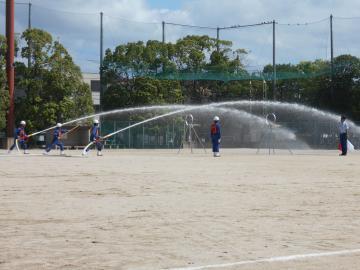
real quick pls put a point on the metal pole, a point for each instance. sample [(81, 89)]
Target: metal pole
[(29, 42), (264, 97), (274, 62), (10, 69), (29, 16), (143, 130), (101, 59), (173, 134), (163, 32), (114, 124), (250, 96), (217, 39), (332, 56), (129, 135)]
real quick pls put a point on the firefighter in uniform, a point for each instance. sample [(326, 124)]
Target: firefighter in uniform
[(58, 132), (21, 137), (215, 134)]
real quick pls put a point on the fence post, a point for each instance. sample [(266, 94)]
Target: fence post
[(115, 135), (129, 135), (101, 59), (332, 57), (143, 130), (274, 61)]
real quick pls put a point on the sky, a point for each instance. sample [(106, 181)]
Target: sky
[(76, 24)]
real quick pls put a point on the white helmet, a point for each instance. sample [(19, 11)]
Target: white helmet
[(58, 125), (216, 118), (23, 123), (96, 121)]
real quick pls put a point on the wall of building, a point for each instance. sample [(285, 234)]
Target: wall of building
[(93, 80)]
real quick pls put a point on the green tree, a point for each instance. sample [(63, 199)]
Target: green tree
[(201, 69), (53, 84), (130, 69), (346, 84), (128, 72)]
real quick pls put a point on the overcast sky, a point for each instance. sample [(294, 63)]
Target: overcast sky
[(76, 24)]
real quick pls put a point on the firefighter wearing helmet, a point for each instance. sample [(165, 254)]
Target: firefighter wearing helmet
[(215, 135), (56, 141), (21, 137), (95, 137)]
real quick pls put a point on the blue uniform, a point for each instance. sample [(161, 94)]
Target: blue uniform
[(21, 136), (95, 137), (58, 132), (343, 129), (215, 134)]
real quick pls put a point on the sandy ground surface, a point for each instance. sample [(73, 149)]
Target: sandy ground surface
[(154, 209)]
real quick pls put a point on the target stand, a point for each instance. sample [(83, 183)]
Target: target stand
[(268, 139), (190, 135)]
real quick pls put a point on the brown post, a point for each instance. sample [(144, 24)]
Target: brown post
[(10, 6)]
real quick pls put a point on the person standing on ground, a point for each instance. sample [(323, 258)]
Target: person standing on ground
[(21, 137), (58, 132), (215, 134), (95, 137), (343, 130)]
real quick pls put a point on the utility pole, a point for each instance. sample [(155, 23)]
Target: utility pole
[(332, 57), (29, 42), (274, 62), (163, 32), (10, 69), (217, 39), (101, 59), (29, 15)]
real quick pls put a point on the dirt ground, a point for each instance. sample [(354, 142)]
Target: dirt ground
[(154, 209)]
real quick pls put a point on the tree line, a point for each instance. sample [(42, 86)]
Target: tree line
[(200, 67), (194, 69), (52, 85)]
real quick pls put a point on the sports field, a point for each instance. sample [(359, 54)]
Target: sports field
[(154, 209)]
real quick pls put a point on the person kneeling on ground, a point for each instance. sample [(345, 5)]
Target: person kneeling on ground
[(58, 132), (343, 129), (95, 137), (215, 136), (21, 137)]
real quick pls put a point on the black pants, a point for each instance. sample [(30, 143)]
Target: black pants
[(343, 142)]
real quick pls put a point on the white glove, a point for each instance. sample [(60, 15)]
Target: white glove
[(219, 141)]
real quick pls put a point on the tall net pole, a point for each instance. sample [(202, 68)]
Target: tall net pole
[(101, 60), (332, 57), (274, 61), (217, 39), (10, 69), (29, 27), (163, 32)]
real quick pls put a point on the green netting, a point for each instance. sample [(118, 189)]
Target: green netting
[(211, 75)]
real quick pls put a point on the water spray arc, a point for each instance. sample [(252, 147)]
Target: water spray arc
[(145, 108), (221, 106), (136, 124), (264, 104), (236, 113)]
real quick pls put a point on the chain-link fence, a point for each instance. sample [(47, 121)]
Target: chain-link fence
[(313, 134)]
